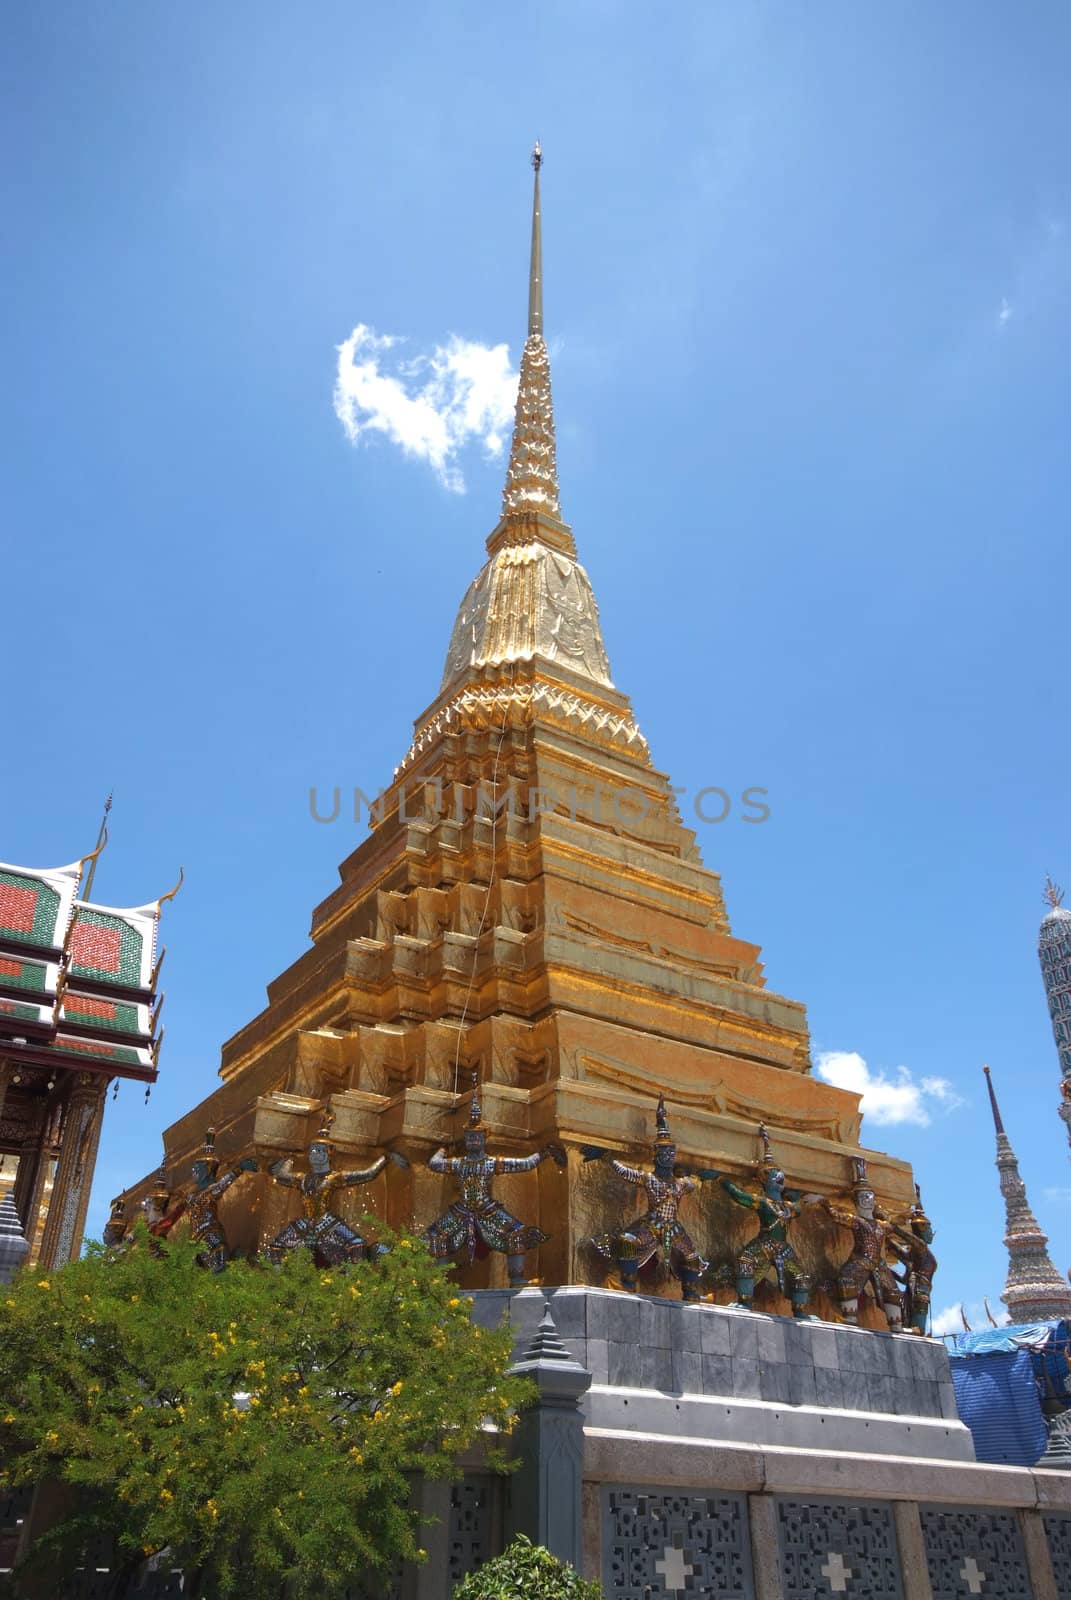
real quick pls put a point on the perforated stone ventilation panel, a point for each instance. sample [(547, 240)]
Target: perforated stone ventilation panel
[(664, 1543)]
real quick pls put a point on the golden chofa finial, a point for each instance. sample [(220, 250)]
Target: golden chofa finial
[(91, 859), (171, 893), (1054, 895)]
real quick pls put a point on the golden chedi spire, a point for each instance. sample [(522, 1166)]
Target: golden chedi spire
[(532, 476), (532, 601)]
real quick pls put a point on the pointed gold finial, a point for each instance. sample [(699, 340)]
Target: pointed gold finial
[(535, 274), (1053, 894), (532, 474)]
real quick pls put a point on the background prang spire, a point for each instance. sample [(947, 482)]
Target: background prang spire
[(1054, 953), (1034, 1290)]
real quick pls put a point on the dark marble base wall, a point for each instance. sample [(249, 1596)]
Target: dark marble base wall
[(709, 1372)]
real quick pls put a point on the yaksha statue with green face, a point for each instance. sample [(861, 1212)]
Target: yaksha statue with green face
[(865, 1268), (769, 1253), (202, 1203), (332, 1241), (910, 1241), (476, 1222), (659, 1232)]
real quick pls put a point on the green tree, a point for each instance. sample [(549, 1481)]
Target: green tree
[(261, 1424), (526, 1572)]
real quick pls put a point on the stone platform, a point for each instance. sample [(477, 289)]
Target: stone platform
[(704, 1372)]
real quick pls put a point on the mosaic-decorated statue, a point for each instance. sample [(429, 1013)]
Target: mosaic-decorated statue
[(659, 1232), (202, 1203), (476, 1222), (865, 1267), (769, 1253), (911, 1247), (114, 1232), (332, 1241)]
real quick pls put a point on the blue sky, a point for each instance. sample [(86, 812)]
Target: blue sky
[(807, 283)]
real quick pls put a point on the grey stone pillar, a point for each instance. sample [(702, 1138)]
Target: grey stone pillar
[(546, 1490)]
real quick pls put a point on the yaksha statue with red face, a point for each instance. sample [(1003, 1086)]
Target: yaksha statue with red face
[(866, 1267), (332, 1241), (659, 1232), (202, 1203), (162, 1210), (477, 1223)]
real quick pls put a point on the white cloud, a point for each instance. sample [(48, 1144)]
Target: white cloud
[(950, 1320), (887, 1098), (1005, 314), (430, 405), (1058, 1195)]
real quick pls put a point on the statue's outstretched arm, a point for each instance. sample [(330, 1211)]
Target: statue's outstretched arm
[(282, 1173), (519, 1163), (742, 1196), (553, 1152), (630, 1174), (221, 1185), (362, 1174), (441, 1162)]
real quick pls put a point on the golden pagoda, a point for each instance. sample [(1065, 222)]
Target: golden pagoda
[(530, 906)]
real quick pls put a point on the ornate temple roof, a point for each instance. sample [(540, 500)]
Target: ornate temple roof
[(77, 980), (1034, 1290)]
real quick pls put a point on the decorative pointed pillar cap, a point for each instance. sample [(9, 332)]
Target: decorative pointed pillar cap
[(557, 1373)]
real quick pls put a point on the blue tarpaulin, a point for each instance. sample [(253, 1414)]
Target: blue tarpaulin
[(997, 1397), (1000, 1376)]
